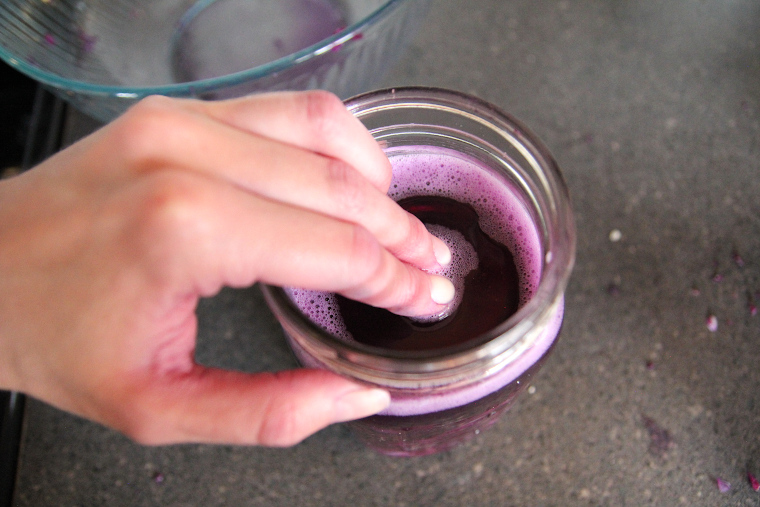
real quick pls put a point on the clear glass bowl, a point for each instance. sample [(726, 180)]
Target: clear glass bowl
[(102, 56)]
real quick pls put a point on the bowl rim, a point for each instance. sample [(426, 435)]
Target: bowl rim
[(328, 44)]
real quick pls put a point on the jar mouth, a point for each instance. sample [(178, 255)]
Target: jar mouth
[(458, 121)]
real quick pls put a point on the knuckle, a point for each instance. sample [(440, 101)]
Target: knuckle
[(418, 243), (407, 238), (377, 278), (323, 112), (322, 105), (410, 238), (347, 189), (166, 214), (365, 256), (279, 428), (167, 203), (396, 287), (282, 421), (406, 291), (144, 131), (386, 177)]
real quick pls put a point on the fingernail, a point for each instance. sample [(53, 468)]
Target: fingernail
[(362, 402), (441, 289), (441, 252)]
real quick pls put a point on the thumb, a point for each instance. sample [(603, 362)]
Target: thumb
[(271, 409)]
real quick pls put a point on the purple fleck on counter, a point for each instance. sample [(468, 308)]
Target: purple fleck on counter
[(723, 486), (712, 323), (86, 41), (660, 440), (737, 259), (753, 482)]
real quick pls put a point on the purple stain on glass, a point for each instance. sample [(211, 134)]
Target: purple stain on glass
[(86, 41), (356, 36), (49, 39), (218, 40)]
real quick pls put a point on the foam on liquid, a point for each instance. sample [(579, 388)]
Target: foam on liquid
[(449, 174), (502, 216), (463, 260)]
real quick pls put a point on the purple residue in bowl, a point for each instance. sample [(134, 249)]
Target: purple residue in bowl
[(234, 35)]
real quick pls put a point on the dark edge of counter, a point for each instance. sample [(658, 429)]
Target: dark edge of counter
[(43, 139)]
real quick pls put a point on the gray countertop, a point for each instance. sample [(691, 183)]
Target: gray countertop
[(652, 110)]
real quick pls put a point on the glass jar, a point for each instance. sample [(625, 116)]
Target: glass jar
[(443, 396)]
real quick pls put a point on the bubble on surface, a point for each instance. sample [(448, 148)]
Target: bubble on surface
[(463, 260), (322, 309)]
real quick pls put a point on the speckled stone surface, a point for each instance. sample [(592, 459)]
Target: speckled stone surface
[(653, 111)]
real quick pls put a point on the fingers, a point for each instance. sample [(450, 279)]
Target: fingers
[(205, 234), (273, 409), (284, 173), (315, 121)]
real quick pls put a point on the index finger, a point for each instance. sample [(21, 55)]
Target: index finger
[(316, 121)]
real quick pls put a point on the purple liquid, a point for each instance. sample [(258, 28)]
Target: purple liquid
[(419, 435), (450, 190), (491, 291)]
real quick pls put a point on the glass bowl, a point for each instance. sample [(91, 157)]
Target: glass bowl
[(102, 56)]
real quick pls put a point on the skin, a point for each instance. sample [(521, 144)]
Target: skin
[(106, 248)]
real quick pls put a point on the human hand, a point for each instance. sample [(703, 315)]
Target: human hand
[(106, 247)]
